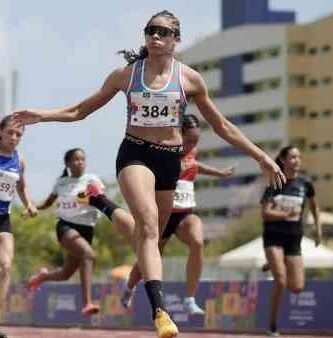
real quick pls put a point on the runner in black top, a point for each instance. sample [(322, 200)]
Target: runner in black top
[(283, 212)]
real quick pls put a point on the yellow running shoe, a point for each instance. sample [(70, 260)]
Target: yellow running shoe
[(165, 327)]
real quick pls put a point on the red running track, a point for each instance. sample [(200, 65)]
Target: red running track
[(33, 332)]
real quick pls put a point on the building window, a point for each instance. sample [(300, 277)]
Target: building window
[(312, 50), (275, 114), (313, 82), (228, 151), (328, 177), (298, 112), (249, 88), (327, 80), (326, 48), (327, 113), (274, 83), (248, 57), (313, 146), (313, 115), (297, 48), (273, 52), (297, 80), (261, 54), (250, 117), (207, 65), (259, 86), (327, 145)]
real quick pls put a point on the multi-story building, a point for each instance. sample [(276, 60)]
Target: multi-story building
[(272, 78)]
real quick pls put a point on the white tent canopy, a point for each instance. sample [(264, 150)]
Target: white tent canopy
[(252, 255), (325, 217)]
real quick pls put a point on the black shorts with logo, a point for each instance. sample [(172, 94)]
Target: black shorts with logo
[(162, 160), (86, 231)]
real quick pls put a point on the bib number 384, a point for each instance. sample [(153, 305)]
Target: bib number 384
[(154, 109)]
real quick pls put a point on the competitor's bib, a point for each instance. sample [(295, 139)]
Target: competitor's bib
[(184, 195), (8, 182), (67, 206), (149, 109), (289, 203)]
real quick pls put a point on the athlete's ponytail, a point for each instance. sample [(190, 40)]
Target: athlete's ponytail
[(131, 56), (190, 121)]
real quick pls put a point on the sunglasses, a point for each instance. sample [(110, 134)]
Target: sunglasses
[(161, 31)]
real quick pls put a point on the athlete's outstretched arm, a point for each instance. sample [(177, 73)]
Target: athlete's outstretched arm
[(79, 111), (205, 169), (196, 88)]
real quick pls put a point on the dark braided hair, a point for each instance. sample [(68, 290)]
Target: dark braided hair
[(67, 158), (190, 121), (283, 154), (131, 56)]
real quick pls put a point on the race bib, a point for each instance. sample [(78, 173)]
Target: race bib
[(149, 109), (7, 185), (67, 206), (184, 195), (289, 204)]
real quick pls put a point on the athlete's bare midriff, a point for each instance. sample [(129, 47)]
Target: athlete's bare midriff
[(160, 135)]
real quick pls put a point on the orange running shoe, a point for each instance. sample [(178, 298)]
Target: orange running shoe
[(37, 279), (90, 309)]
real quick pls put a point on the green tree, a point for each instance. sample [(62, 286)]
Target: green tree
[(238, 232), (35, 243)]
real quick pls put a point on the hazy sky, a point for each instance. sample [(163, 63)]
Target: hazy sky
[(63, 50)]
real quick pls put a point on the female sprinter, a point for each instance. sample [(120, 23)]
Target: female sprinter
[(282, 212), (157, 88), (183, 222), (11, 179)]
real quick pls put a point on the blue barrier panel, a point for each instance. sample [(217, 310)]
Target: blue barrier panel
[(311, 309), (19, 306), (60, 304), (229, 305)]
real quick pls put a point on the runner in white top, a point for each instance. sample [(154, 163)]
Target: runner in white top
[(75, 227), (68, 208)]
